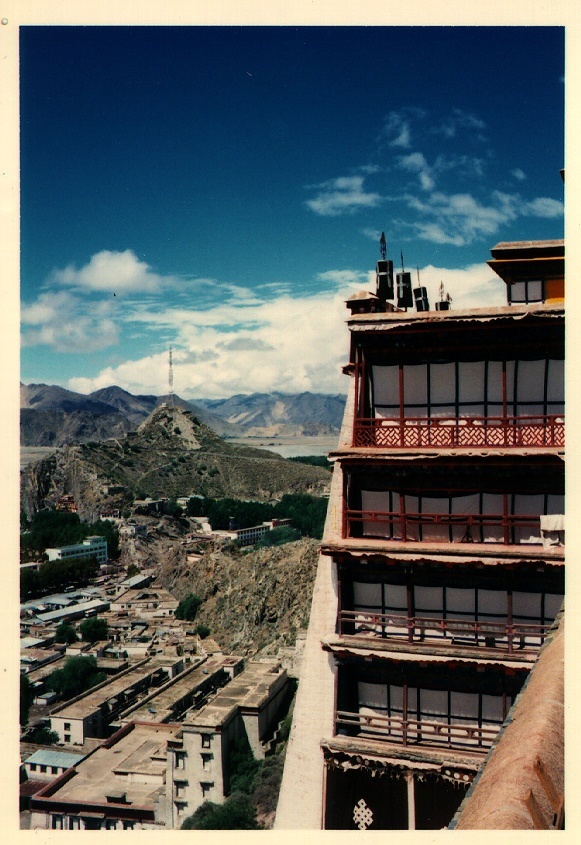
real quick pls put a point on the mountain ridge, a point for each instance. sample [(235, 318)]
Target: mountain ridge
[(54, 416)]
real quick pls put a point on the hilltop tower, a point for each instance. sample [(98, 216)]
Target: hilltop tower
[(442, 564)]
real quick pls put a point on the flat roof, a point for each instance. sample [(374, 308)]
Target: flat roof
[(250, 689), (92, 700), (134, 764), (161, 706), (389, 320)]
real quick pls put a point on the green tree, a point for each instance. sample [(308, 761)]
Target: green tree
[(188, 608), (202, 631), (26, 698), (279, 536), (243, 767), (268, 780), (132, 570), (94, 629), (237, 813), (42, 736), (173, 509), (76, 676), (65, 633)]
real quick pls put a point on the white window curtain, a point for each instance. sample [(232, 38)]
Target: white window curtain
[(443, 390), (415, 377), (386, 391)]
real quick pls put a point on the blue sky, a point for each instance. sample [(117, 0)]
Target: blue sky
[(223, 190)]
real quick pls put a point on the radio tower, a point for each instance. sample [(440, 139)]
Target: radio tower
[(170, 397)]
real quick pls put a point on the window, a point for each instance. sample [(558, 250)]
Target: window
[(207, 761), (54, 770), (206, 787), (110, 824), (67, 726), (128, 825), (180, 759), (530, 291), (180, 789), (206, 740), (74, 823), (33, 767), (67, 738), (56, 822), (43, 769)]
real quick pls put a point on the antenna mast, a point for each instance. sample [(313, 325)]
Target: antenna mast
[(170, 378)]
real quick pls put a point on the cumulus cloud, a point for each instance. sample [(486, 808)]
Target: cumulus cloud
[(289, 343), (518, 174), (343, 195), (66, 323), (116, 272)]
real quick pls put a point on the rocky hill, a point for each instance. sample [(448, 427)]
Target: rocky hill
[(252, 600), (171, 454), (53, 416)]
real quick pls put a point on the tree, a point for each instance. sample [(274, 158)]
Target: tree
[(237, 813), (173, 509), (26, 698), (279, 536), (42, 736), (94, 629), (132, 570), (65, 633), (202, 631), (243, 767), (188, 608), (77, 675)]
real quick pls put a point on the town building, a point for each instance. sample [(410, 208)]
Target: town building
[(442, 563), (120, 785), (199, 755), (253, 534), (90, 547), (94, 713)]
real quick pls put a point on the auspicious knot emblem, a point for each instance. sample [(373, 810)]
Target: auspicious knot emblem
[(362, 815)]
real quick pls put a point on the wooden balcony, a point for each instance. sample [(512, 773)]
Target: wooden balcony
[(544, 431), (458, 734), (509, 637), (393, 526)]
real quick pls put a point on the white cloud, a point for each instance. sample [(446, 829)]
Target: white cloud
[(66, 323), (116, 272), (286, 343), (416, 163), (459, 119), (518, 174), (543, 207), (397, 126), (343, 195)]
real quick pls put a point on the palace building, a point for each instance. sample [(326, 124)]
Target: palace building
[(442, 565)]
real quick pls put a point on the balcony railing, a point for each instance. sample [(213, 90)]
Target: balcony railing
[(456, 432), (510, 637), (444, 527), (460, 734)]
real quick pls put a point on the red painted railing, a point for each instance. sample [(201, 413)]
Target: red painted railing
[(462, 528), (502, 635), (457, 432), (419, 731)]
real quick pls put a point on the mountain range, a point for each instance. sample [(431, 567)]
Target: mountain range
[(53, 416), (172, 453)]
